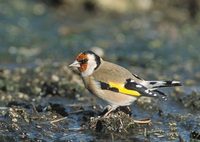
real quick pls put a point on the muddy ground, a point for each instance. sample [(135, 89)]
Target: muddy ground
[(49, 103), (41, 99)]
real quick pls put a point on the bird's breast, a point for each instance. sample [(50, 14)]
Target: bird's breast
[(92, 85)]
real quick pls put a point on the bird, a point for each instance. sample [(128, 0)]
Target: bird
[(114, 83)]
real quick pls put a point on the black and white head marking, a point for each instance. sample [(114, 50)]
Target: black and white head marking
[(93, 63)]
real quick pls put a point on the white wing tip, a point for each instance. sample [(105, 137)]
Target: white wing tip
[(176, 82)]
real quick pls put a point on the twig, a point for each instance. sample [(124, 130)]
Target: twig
[(147, 121), (57, 120), (145, 132), (34, 108), (76, 129)]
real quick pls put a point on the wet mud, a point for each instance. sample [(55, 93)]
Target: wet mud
[(49, 103)]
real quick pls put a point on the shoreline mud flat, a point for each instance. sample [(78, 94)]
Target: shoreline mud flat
[(49, 103)]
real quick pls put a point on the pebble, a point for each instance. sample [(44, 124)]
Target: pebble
[(55, 78)]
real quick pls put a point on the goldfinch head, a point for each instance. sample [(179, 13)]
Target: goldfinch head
[(86, 62)]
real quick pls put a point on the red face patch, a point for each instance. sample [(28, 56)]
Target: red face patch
[(82, 59)]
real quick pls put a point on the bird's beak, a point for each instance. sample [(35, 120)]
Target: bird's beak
[(75, 64)]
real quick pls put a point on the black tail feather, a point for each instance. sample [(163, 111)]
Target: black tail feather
[(159, 84), (173, 83)]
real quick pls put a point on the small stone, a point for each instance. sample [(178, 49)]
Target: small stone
[(14, 120), (38, 126), (37, 89), (55, 78), (23, 70), (20, 95)]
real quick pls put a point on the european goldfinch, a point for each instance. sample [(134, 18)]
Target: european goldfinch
[(113, 83)]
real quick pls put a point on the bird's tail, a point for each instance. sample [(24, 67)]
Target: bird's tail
[(158, 84)]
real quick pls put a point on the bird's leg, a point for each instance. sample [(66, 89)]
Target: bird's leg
[(107, 110), (126, 109)]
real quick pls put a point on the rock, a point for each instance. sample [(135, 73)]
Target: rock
[(55, 78)]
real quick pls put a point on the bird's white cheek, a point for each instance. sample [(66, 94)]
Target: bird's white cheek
[(89, 70)]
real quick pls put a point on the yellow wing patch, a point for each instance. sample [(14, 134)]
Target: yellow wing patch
[(123, 90)]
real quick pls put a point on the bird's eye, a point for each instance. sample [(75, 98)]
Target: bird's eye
[(83, 61)]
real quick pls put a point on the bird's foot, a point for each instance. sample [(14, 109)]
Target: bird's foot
[(109, 109), (126, 109)]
